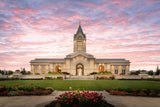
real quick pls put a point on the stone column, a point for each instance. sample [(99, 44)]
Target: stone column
[(47, 69), (112, 69), (32, 69), (127, 69), (119, 69), (39, 69)]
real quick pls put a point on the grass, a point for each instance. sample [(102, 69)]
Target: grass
[(86, 84)]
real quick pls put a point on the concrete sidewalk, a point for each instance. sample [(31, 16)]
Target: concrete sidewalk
[(40, 101)]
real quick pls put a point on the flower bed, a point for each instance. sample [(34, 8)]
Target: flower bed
[(134, 92), (104, 73), (20, 91), (80, 99), (112, 77), (52, 78), (55, 73)]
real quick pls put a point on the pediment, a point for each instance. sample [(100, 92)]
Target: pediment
[(79, 54)]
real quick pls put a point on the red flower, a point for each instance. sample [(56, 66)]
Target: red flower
[(71, 101), (3, 85), (13, 87), (17, 85), (31, 83)]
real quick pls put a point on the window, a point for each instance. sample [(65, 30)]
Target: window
[(79, 45), (116, 71), (101, 68), (123, 71), (58, 68)]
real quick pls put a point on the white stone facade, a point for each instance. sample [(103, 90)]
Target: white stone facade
[(79, 62)]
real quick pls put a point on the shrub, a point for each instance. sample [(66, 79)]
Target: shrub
[(3, 79), (2, 88), (48, 78), (134, 92), (60, 78), (104, 73), (29, 89), (55, 73), (112, 77), (102, 78), (93, 73)]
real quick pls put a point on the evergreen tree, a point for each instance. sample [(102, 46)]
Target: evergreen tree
[(157, 70)]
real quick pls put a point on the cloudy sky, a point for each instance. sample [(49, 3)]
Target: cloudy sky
[(32, 29)]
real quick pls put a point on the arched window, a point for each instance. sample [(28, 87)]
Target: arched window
[(101, 68), (58, 68)]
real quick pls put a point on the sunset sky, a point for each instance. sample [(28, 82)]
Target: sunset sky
[(32, 29)]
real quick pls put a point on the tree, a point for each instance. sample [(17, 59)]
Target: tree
[(157, 71), (23, 71), (150, 72), (17, 70), (137, 72), (10, 72)]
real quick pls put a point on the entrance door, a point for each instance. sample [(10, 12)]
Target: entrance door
[(79, 70)]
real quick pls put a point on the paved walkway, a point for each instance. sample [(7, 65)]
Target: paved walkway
[(40, 101)]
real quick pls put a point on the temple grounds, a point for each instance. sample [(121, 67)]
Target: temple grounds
[(97, 85)]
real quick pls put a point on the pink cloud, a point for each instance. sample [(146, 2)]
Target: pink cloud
[(25, 11), (123, 3)]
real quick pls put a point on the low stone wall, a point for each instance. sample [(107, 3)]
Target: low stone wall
[(40, 76)]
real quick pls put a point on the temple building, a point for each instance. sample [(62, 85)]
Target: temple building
[(79, 62)]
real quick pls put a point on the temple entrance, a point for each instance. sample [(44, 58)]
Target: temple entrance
[(79, 70)]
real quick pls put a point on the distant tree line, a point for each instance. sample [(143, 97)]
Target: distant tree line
[(10, 72), (145, 71)]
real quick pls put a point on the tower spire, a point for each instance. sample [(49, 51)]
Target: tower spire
[(79, 22)]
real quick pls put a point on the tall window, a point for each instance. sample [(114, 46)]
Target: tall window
[(58, 68), (101, 68), (123, 71), (116, 71), (79, 45)]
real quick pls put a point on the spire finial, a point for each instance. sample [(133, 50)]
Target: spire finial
[(79, 22)]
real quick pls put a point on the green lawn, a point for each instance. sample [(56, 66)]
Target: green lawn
[(85, 84)]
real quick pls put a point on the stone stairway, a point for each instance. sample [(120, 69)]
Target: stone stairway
[(80, 78)]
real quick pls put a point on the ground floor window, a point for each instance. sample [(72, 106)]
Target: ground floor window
[(58, 68), (116, 71), (123, 71), (101, 68)]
